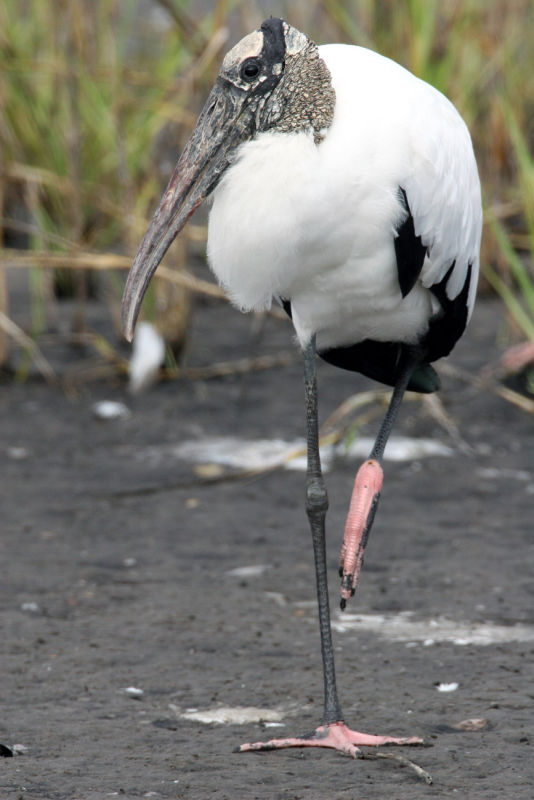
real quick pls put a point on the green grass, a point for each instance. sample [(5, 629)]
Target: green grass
[(91, 100), (87, 93)]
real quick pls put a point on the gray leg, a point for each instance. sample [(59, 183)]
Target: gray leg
[(316, 507), (413, 358)]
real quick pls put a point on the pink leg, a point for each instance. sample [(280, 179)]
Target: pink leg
[(365, 495)]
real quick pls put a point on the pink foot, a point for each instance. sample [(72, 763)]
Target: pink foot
[(338, 736), (365, 496)]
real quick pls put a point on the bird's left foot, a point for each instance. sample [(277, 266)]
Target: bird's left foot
[(363, 503), (338, 736)]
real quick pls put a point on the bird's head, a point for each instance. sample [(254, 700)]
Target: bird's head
[(273, 79)]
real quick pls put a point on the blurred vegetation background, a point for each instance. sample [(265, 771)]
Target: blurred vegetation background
[(97, 97)]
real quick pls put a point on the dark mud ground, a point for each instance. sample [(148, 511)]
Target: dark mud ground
[(125, 558)]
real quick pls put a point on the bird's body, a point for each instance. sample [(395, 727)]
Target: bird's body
[(316, 224), (347, 189)]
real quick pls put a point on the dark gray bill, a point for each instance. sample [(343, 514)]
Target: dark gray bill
[(220, 128)]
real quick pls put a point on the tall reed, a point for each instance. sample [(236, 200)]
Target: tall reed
[(97, 97)]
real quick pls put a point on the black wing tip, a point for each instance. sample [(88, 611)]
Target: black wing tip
[(424, 380), (381, 362), (410, 252)]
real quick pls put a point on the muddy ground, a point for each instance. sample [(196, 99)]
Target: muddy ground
[(115, 560)]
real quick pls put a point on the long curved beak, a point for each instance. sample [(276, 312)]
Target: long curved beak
[(220, 128)]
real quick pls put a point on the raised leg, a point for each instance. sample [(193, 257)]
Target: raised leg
[(333, 732), (367, 487)]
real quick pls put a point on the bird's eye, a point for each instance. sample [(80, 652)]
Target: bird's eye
[(251, 69)]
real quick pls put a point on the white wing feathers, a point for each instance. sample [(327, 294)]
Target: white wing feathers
[(425, 149), (443, 191)]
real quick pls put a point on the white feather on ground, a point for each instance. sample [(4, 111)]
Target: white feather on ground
[(148, 354)]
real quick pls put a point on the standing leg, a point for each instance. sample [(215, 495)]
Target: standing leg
[(333, 732), (316, 508)]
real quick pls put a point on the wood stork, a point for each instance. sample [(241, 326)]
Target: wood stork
[(347, 189)]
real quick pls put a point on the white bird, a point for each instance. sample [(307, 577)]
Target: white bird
[(347, 189)]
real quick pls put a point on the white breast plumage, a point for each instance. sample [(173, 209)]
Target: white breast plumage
[(316, 224)]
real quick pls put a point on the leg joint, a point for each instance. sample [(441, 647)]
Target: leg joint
[(316, 496)]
